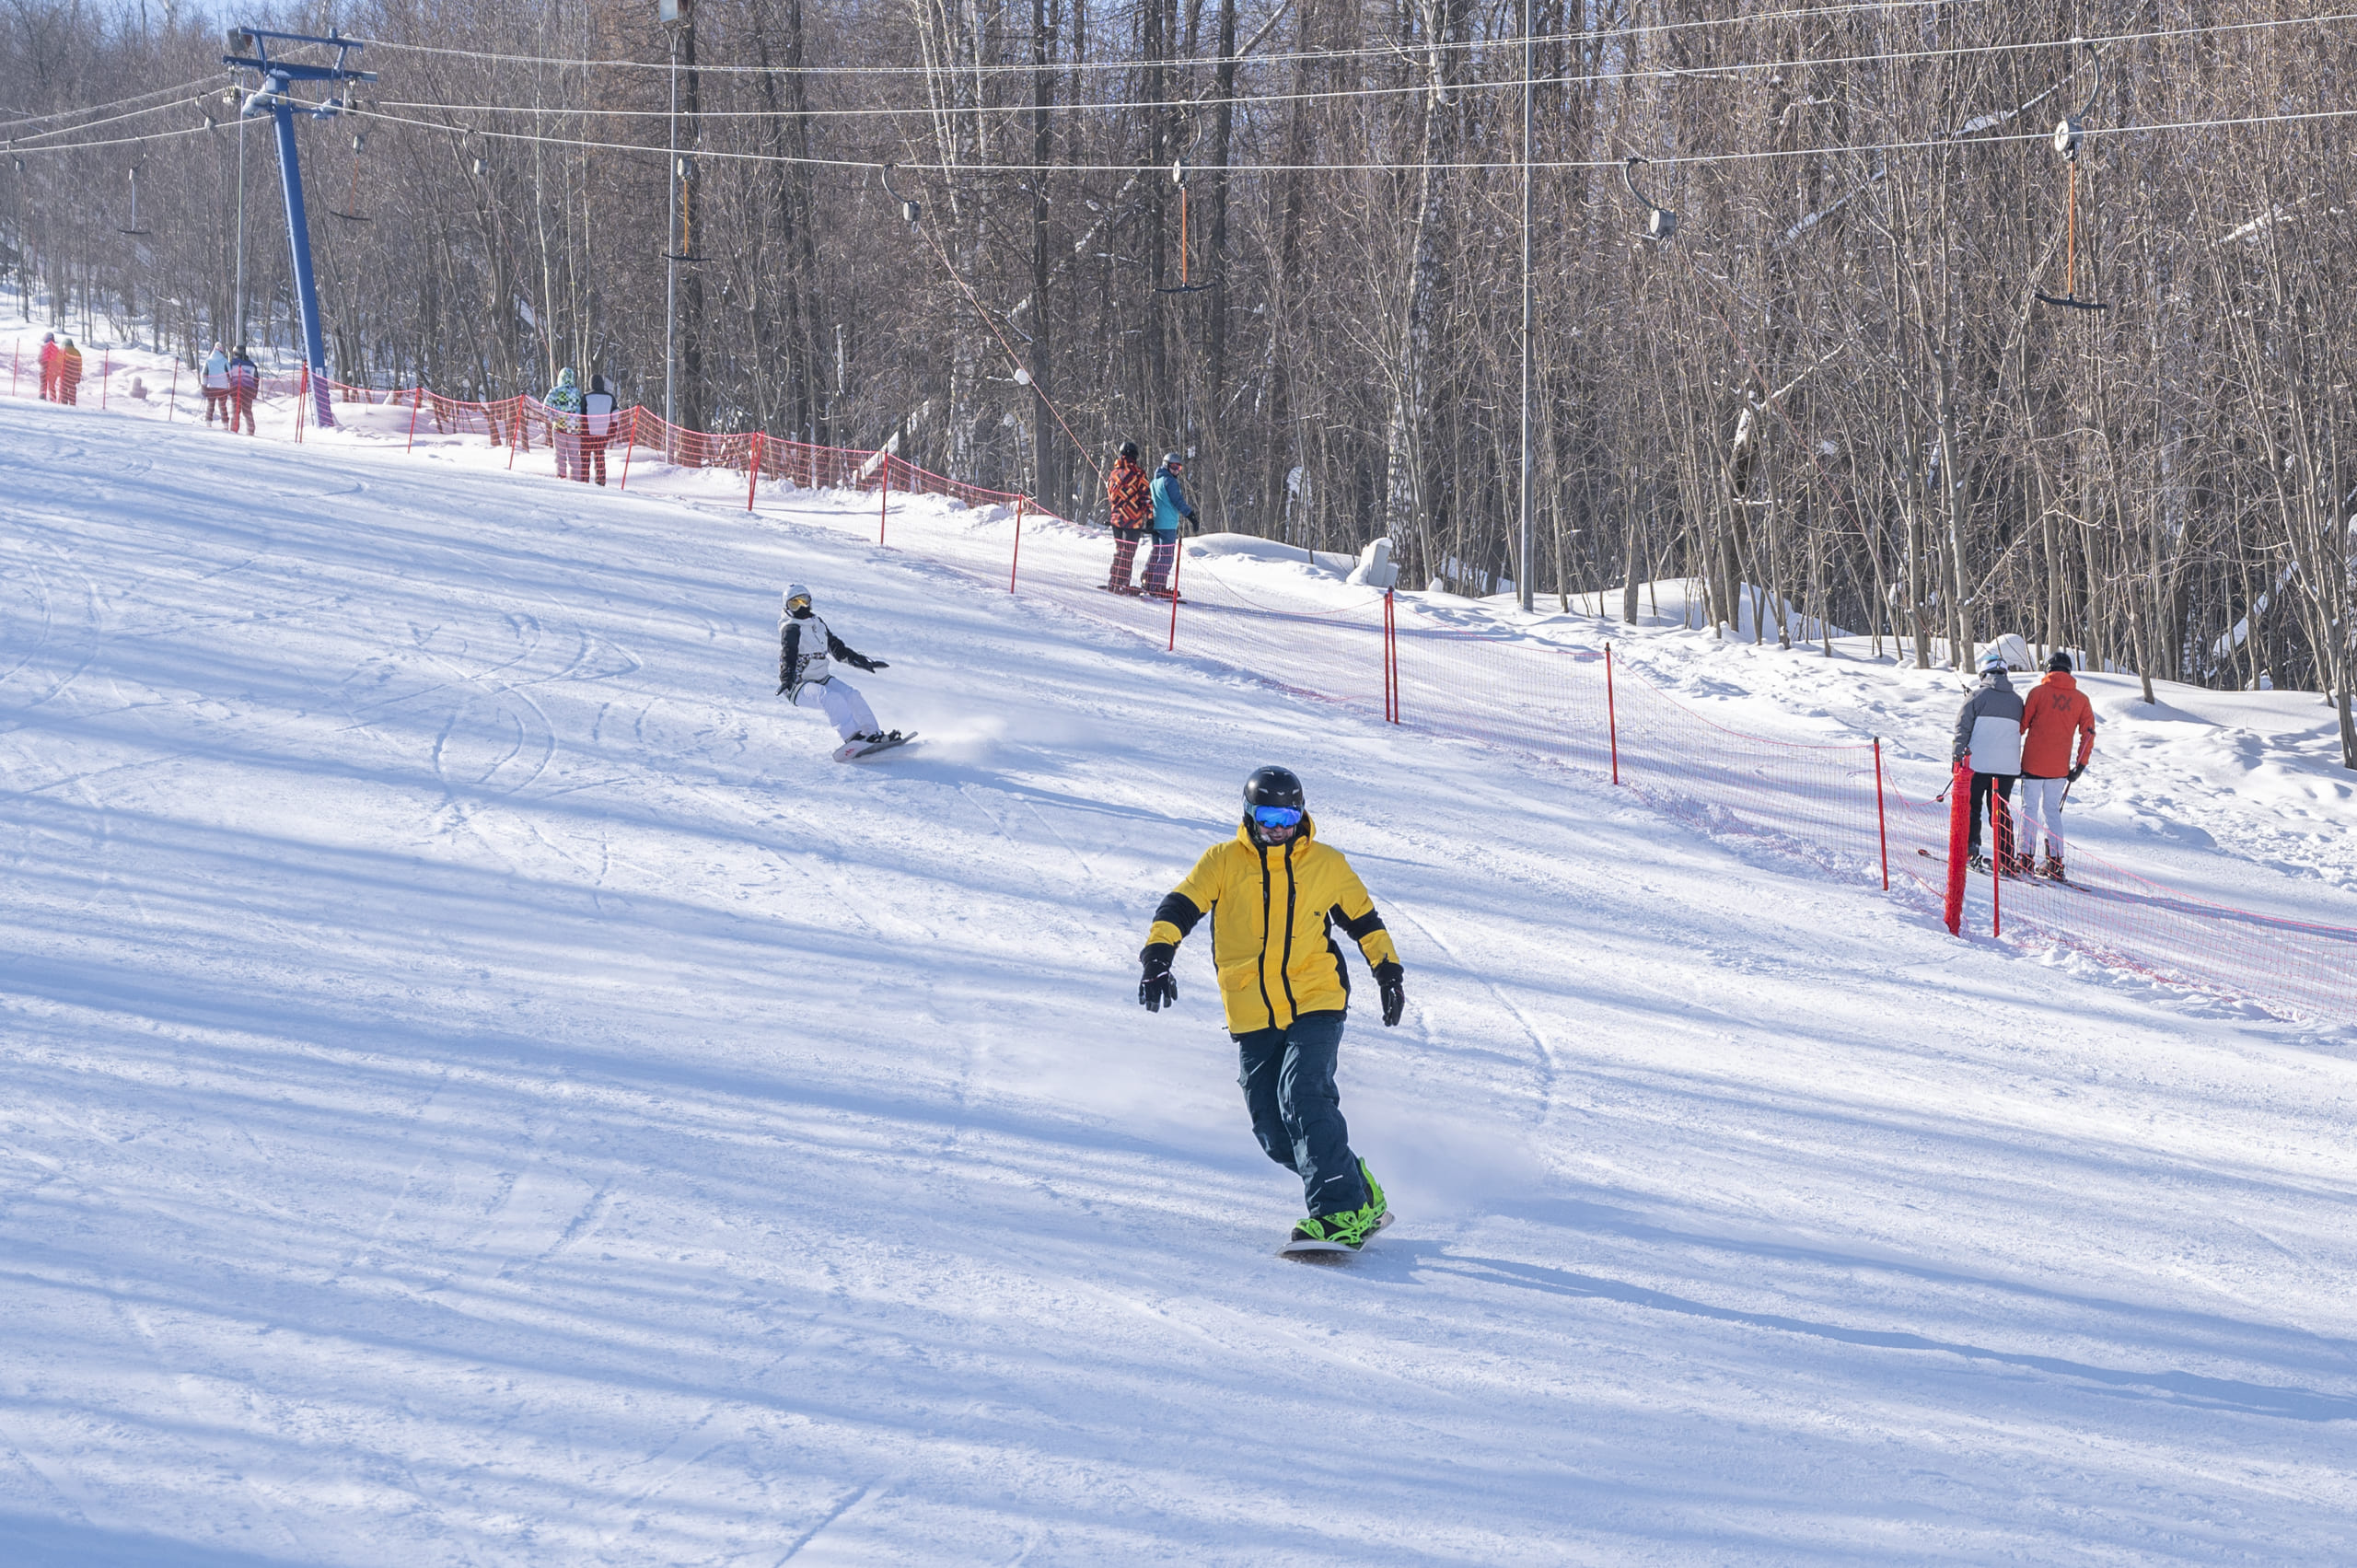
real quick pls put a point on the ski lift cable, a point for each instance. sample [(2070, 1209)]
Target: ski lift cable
[(1022, 371), (1513, 84), (1243, 56), (209, 83), (948, 169), (21, 146), (116, 142)]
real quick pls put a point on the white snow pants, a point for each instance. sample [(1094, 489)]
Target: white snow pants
[(845, 708), (2041, 811)]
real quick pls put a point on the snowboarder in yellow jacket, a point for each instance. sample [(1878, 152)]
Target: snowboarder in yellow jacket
[(1275, 895)]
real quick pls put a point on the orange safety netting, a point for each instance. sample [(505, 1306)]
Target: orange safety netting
[(1831, 805)]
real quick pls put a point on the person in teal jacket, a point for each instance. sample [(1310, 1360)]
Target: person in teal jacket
[(1171, 508), (563, 403)]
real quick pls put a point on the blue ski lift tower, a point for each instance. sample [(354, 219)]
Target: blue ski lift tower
[(250, 48)]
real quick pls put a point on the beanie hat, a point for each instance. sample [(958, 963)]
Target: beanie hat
[(2059, 660)]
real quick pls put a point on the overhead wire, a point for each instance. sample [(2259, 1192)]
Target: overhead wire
[(1513, 84), (116, 142), (1381, 52), (35, 145), (1557, 165), (8, 125)]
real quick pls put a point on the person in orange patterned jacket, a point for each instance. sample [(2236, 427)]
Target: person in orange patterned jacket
[(2056, 712), (69, 374), (1132, 500)]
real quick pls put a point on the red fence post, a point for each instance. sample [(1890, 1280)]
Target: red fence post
[(173, 398), (411, 444), (753, 470), (1882, 823), (884, 507), (302, 396), (106, 364), (1390, 660), (630, 441), (1015, 565), (1611, 714), (2000, 828)]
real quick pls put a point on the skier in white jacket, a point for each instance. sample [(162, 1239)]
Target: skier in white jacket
[(806, 654), (1989, 734)]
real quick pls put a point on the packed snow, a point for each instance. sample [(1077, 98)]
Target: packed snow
[(482, 1086)]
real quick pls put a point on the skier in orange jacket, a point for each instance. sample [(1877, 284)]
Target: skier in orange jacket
[(50, 355), (2056, 712), (69, 374)]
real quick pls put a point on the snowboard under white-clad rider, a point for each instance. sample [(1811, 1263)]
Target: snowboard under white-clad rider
[(1274, 895), (806, 652), (1989, 735)]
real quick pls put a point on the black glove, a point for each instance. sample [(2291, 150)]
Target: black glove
[(876, 664), (2076, 768), (1156, 990), (1391, 981)]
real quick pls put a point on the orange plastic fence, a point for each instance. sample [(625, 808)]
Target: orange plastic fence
[(1830, 806)]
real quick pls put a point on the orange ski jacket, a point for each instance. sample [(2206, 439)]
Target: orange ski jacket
[(2056, 711)]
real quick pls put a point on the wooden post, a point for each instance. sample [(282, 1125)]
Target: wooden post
[(1611, 714), (1882, 824)]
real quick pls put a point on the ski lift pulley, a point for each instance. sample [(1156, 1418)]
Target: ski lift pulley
[(2070, 136), (1660, 221)]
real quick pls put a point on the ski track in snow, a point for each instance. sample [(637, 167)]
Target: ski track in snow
[(482, 1086)]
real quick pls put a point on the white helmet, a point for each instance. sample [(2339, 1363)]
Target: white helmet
[(795, 591)]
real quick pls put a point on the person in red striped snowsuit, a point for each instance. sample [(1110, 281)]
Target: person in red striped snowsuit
[(1133, 509)]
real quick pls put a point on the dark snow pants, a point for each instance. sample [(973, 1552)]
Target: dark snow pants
[(1157, 565), (2002, 786), (1288, 1078)]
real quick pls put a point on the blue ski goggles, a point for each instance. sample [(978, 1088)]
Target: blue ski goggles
[(1276, 816)]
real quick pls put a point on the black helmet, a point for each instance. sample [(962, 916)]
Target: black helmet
[(1272, 786), (1129, 450), (2059, 660)]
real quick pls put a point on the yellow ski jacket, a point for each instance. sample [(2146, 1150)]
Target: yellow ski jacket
[(1273, 907)]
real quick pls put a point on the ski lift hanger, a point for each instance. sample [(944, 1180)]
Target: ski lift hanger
[(2070, 136), (910, 209), (352, 198), (1179, 178), (1660, 221), (133, 172)]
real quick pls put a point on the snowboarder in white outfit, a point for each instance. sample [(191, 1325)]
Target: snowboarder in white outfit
[(806, 654)]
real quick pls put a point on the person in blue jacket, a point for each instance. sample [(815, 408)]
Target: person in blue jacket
[(1171, 508)]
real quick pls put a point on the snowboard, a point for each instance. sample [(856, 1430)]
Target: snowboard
[(1327, 1251), (861, 750)]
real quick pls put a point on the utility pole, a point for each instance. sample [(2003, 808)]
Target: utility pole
[(250, 48), (674, 20), (1521, 572)]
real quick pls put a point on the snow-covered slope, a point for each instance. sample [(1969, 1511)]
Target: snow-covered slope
[(480, 1086)]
